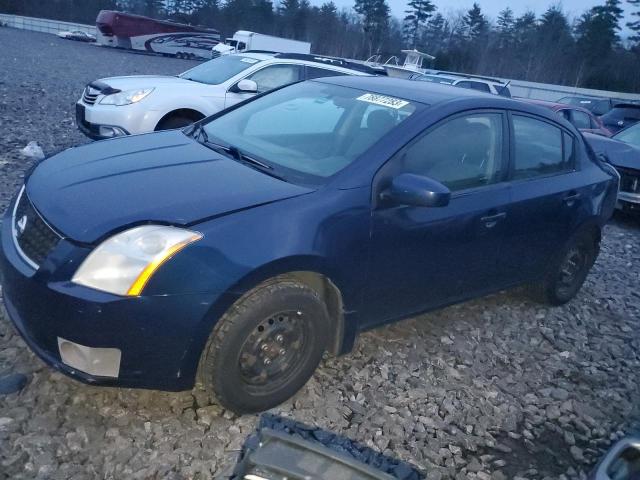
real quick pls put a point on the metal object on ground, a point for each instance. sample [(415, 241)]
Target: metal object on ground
[(279, 456), (622, 462)]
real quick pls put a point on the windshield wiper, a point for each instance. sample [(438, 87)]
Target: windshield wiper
[(200, 134)]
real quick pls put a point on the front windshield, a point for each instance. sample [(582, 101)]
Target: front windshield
[(311, 130), (630, 135), (219, 70)]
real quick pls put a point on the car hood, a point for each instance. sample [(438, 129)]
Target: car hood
[(619, 154), (145, 81), (166, 177)]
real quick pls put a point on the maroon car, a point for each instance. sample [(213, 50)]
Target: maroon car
[(581, 118)]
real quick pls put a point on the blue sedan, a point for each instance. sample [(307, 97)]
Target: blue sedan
[(237, 252)]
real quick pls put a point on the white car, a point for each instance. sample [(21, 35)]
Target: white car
[(117, 106), (482, 84), (78, 35)]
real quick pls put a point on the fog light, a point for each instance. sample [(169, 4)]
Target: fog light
[(111, 132), (101, 362)]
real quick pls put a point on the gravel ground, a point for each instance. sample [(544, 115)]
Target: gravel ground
[(491, 389)]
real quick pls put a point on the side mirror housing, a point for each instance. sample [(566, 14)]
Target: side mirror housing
[(418, 191), (247, 86)]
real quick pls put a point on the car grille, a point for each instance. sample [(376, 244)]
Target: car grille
[(90, 95), (33, 237), (214, 54), (629, 180)]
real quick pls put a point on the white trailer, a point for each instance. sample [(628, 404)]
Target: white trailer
[(243, 40)]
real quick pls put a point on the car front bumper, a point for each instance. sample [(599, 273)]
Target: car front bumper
[(100, 122), (140, 342), (628, 202)]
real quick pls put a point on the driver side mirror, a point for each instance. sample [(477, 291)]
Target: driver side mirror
[(417, 191), (247, 86)]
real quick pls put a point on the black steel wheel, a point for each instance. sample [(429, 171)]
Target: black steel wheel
[(266, 347), (565, 279)]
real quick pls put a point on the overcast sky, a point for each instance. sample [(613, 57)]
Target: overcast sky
[(491, 7)]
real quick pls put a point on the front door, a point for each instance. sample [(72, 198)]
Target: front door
[(267, 78), (422, 257)]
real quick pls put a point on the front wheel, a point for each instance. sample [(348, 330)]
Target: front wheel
[(563, 282), (266, 347)]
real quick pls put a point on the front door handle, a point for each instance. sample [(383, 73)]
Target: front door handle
[(491, 221), (571, 198)]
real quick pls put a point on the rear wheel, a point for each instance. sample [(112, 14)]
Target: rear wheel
[(563, 282), (266, 347)]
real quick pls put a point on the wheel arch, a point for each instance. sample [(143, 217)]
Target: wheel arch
[(190, 113)]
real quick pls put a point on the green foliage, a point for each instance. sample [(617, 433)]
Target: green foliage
[(418, 13)]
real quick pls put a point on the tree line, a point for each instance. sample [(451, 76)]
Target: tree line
[(587, 51)]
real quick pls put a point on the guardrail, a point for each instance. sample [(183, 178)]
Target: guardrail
[(43, 24)]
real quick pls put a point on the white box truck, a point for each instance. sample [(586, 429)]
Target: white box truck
[(243, 40)]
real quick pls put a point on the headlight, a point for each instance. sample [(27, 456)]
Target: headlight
[(124, 263), (126, 98)]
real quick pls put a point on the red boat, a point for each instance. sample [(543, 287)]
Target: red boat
[(136, 32)]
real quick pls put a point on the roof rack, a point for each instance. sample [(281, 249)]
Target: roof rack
[(466, 75), (340, 62)]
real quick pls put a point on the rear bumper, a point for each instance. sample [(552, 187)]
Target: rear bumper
[(160, 337)]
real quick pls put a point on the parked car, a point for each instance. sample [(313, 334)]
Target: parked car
[(77, 35), (237, 251), (596, 105), (581, 118), (621, 116), (623, 152), (481, 84), (117, 106)]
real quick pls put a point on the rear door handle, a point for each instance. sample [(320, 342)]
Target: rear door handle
[(491, 221), (571, 198)]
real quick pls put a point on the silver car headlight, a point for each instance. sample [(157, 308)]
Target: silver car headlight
[(127, 97), (124, 263)]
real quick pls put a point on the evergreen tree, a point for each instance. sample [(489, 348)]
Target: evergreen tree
[(375, 21), (476, 23), (634, 24), (418, 13), (506, 27)]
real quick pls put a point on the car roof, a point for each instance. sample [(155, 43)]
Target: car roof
[(556, 105), (422, 92), (321, 61)]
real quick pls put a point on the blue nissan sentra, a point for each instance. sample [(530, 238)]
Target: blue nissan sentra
[(236, 252)]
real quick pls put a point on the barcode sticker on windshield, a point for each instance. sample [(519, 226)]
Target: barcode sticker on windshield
[(383, 100), (248, 60)]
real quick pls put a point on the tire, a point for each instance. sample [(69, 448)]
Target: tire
[(266, 347), (179, 55), (563, 282), (173, 122)]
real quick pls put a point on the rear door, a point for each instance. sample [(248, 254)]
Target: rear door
[(423, 257), (549, 195)]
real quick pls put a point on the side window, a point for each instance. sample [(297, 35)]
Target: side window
[(580, 119), (538, 148), (275, 76), (464, 85), (462, 153), (566, 114), (314, 72), (482, 87)]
